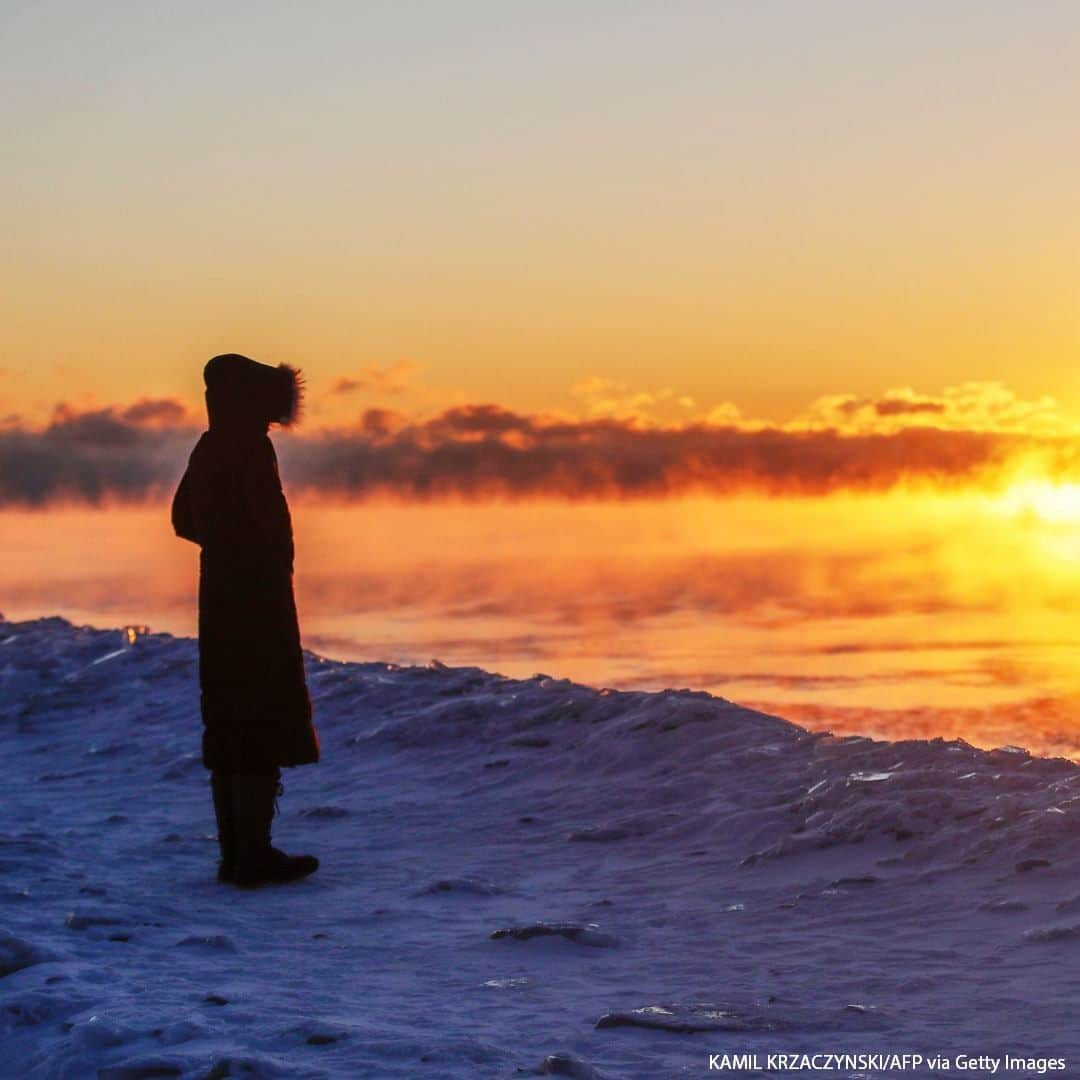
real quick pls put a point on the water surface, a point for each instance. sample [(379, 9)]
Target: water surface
[(907, 614)]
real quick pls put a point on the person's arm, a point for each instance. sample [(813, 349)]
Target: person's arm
[(264, 506), (183, 516)]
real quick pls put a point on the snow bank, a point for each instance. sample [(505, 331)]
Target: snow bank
[(518, 875)]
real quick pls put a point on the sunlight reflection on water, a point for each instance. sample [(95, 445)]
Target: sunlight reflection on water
[(907, 615)]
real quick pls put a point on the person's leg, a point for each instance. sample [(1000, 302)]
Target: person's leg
[(257, 861), (221, 789)]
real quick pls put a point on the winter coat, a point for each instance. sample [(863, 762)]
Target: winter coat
[(255, 706)]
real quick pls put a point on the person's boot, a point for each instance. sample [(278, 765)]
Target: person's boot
[(257, 861), (220, 788)]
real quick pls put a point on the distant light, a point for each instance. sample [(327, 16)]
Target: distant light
[(1043, 499)]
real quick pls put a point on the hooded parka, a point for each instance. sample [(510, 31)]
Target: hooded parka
[(255, 706)]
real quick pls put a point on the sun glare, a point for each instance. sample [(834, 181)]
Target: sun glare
[(1042, 499)]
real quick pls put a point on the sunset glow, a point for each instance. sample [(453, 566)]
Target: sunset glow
[(1043, 499), (900, 613), (800, 200), (539, 538), (707, 377)]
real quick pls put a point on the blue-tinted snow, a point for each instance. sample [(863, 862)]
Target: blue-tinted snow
[(753, 887)]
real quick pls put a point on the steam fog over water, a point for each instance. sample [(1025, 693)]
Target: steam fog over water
[(900, 615)]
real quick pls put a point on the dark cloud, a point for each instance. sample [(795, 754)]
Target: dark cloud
[(157, 412), (94, 455), (486, 450), (888, 406), (898, 407), (970, 406)]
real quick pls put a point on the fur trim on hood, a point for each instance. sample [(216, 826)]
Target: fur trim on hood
[(242, 392)]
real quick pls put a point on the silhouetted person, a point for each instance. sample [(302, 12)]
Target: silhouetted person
[(255, 706)]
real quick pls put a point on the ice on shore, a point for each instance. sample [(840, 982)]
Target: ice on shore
[(751, 886)]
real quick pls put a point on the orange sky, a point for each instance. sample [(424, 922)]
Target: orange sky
[(757, 203)]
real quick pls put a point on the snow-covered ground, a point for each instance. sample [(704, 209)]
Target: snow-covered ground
[(519, 877)]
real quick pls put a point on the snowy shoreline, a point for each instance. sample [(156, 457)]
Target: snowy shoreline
[(519, 877)]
